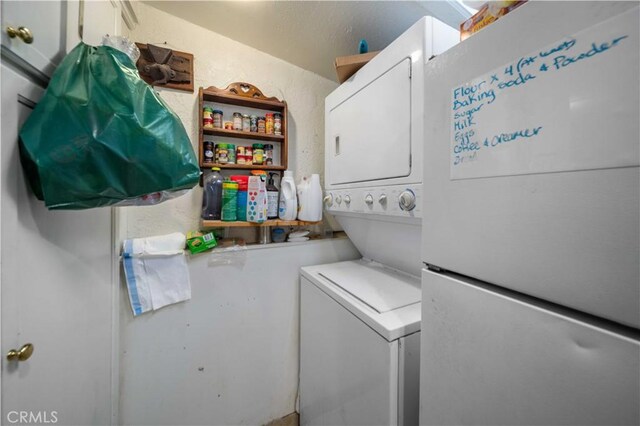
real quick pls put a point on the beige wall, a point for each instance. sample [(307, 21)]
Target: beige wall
[(218, 62)]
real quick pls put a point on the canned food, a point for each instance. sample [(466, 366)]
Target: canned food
[(231, 153), (217, 119), (258, 154), (228, 125), (241, 158), (248, 155), (254, 123), (261, 125), (268, 154), (277, 123), (237, 121), (246, 123), (208, 151), (207, 117), (268, 123), (222, 153)]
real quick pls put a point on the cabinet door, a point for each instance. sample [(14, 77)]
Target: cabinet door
[(56, 291), (47, 22)]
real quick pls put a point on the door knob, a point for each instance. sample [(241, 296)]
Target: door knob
[(22, 355), (23, 33)]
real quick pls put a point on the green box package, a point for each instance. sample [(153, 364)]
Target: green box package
[(198, 242)]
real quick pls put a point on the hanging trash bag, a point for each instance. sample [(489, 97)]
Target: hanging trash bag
[(100, 136)]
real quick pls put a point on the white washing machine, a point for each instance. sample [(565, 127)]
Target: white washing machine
[(360, 345), (360, 321)]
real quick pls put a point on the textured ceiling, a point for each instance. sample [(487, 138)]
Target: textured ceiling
[(310, 34)]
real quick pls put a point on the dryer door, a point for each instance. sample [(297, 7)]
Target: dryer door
[(369, 139)]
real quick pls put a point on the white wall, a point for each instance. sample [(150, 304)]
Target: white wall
[(229, 356), (218, 62)]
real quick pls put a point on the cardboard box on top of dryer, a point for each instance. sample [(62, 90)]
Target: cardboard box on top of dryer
[(346, 66), (488, 13)]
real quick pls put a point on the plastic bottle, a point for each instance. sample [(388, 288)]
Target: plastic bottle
[(310, 199), (212, 195), (288, 205), (229, 200), (241, 209), (272, 198), (257, 202)]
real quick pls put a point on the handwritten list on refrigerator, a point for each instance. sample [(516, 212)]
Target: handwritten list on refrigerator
[(537, 113)]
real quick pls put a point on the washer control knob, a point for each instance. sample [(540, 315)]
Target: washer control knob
[(382, 199), (328, 200), (347, 199), (407, 200), (368, 199), (338, 199)]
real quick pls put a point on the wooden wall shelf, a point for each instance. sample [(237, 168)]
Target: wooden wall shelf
[(243, 135), (249, 96), (275, 222), (244, 167)]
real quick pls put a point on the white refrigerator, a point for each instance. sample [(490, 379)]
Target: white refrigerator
[(531, 221)]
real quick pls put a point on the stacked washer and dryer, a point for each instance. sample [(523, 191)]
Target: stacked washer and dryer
[(360, 320)]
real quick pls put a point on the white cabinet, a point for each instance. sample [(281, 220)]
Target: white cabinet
[(57, 277), (46, 20), (56, 289)]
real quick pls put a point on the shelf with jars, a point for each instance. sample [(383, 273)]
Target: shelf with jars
[(231, 119)]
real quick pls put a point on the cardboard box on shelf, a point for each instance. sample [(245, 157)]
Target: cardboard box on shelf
[(346, 66), (488, 13)]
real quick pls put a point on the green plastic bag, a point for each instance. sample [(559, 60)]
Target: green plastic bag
[(100, 136)]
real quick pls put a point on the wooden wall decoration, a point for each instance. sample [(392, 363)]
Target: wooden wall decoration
[(163, 67)]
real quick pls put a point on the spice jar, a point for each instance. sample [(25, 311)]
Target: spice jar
[(261, 125), (246, 123), (208, 151), (237, 121), (268, 154), (277, 123), (231, 149), (258, 154), (207, 117), (222, 153), (217, 119), (248, 155), (268, 123), (228, 125), (254, 123)]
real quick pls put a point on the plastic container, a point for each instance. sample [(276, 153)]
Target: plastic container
[(229, 201), (310, 199), (241, 204), (278, 235), (212, 195), (272, 198), (257, 202), (288, 204)]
